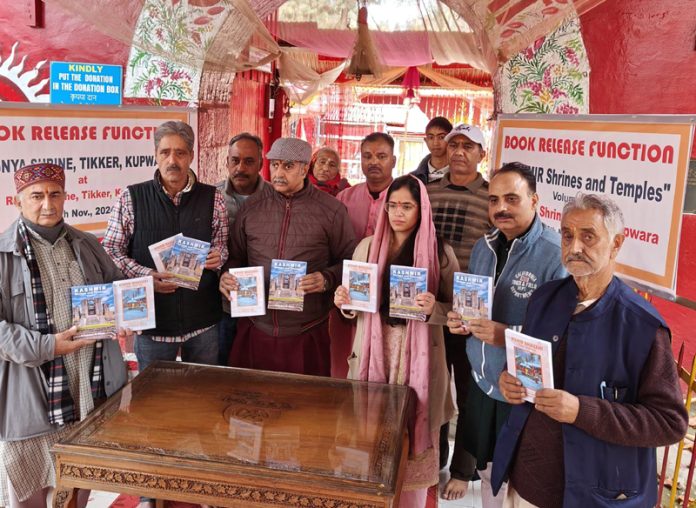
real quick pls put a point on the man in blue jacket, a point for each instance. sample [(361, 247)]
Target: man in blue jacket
[(591, 440), (520, 253)]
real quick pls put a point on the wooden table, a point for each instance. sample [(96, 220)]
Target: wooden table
[(242, 438)]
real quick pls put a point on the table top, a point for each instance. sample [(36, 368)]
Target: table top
[(274, 425)]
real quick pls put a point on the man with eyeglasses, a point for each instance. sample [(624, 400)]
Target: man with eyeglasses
[(244, 161), (296, 222), (459, 203), (436, 164)]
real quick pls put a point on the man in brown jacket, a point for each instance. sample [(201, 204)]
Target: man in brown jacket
[(296, 222)]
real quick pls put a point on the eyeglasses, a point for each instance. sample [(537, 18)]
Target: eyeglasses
[(392, 207)]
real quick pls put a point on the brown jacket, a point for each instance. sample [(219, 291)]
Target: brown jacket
[(309, 226)]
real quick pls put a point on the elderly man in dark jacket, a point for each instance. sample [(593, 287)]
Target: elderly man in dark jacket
[(591, 440), (297, 222)]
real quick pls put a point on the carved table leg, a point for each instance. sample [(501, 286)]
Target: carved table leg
[(65, 498)]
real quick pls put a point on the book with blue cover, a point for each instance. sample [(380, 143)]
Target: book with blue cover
[(284, 291), (472, 296), (405, 283), (93, 311), (186, 261), (161, 251)]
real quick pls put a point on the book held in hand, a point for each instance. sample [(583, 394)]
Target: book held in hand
[(135, 303), (250, 298), (161, 250), (473, 296), (405, 283), (284, 291), (186, 261), (361, 280), (93, 311), (529, 360)]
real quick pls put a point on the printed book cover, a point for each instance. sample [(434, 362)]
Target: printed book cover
[(186, 261), (161, 250), (361, 280), (250, 298), (529, 360), (93, 311), (473, 296), (405, 283), (284, 291), (135, 303)]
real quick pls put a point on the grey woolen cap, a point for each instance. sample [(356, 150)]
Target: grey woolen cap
[(290, 149)]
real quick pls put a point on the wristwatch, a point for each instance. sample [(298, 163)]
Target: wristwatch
[(326, 283)]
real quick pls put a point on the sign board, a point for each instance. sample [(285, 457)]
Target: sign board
[(86, 83), (103, 150), (640, 162)]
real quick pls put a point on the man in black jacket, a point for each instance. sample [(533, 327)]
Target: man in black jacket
[(172, 202)]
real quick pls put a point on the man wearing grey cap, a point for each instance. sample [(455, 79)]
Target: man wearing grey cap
[(295, 222)]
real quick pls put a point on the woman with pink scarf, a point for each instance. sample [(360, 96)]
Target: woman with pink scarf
[(409, 352)]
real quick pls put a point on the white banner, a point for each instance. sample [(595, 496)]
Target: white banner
[(640, 162), (103, 150)]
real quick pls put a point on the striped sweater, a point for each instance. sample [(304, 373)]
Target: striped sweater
[(460, 214)]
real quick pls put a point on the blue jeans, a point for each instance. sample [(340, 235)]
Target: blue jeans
[(227, 329), (202, 348)]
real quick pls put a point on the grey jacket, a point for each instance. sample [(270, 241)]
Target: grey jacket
[(23, 404), (234, 201)]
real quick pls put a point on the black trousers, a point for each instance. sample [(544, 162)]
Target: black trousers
[(463, 464)]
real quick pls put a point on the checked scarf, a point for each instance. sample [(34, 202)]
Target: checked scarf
[(61, 407)]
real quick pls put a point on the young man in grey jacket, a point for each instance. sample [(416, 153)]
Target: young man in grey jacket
[(521, 254), (48, 379)]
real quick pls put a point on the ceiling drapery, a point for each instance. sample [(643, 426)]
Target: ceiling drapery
[(229, 36), (220, 35)]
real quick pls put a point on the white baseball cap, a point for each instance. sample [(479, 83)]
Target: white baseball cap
[(470, 131)]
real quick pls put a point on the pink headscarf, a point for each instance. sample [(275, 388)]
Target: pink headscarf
[(417, 354)]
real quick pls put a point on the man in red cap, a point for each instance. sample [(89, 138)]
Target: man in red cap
[(54, 379)]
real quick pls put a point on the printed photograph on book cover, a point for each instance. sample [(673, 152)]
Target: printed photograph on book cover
[(161, 251), (405, 283), (249, 299), (472, 297), (135, 303), (93, 311), (530, 360), (361, 280), (186, 261), (284, 291), (528, 368)]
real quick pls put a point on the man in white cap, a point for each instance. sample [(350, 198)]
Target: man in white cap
[(297, 222), (460, 213)]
